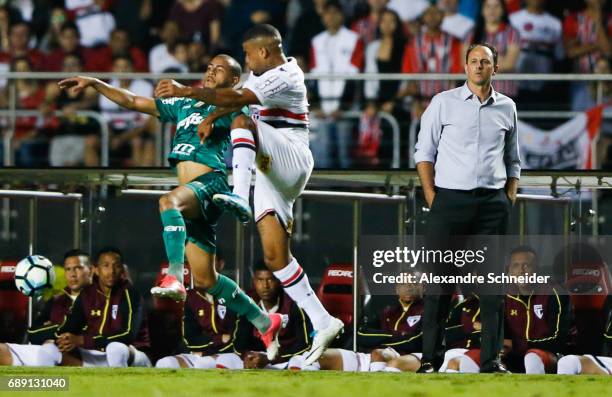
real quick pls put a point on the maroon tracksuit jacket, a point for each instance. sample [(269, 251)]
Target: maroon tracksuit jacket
[(398, 327), (205, 321), (540, 320), (294, 338), (104, 318), (52, 315), (460, 331)]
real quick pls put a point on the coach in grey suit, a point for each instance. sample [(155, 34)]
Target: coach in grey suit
[(468, 162)]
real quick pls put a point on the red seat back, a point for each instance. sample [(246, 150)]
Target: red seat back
[(13, 305), (336, 291)]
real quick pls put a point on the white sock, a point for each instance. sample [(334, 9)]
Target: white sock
[(205, 362), (167, 362), (117, 354), (295, 283), (468, 366), (378, 366), (391, 369), (533, 364), (49, 355), (243, 161), (569, 365)]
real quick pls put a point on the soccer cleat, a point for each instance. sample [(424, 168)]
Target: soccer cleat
[(236, 205), (170, 287), (270, 337), (426, 368), (322, 339), (495, 369)]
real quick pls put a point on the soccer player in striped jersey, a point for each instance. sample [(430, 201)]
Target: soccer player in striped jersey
[(277, 142)]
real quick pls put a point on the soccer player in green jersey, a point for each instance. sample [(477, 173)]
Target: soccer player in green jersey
[(188, 212)]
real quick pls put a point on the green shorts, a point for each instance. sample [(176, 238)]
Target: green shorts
[(202, 231)]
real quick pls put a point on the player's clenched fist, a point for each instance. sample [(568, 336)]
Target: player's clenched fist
[(77, 84), (169, 88)]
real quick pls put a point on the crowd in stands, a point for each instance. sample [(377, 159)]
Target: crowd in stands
[(335, 37)]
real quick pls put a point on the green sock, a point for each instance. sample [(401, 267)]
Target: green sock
[(174, 236), (228, 293)]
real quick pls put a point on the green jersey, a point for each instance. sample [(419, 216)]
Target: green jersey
[(187, 114)]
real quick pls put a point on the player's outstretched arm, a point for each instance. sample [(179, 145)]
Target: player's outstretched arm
[(224, 97), (120, 96)]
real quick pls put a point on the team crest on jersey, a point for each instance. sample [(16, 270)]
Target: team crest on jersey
[(285, 320), (264, 163), (192, 119), (539, 311), (114, 311), (170, 101), (221, 310), (412, 320)]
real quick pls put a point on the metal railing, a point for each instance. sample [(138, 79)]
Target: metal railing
[(161, 144), (7, 138)]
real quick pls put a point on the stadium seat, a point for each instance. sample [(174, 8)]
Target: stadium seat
[(13, 305), (589, 284), (336, 292)]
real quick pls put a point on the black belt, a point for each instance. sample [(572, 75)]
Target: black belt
[(479, 191)]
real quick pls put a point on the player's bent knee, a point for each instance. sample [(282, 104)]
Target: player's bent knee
[(377, 355), (5, 355), (167, 362), (167, 202), (117, 354)]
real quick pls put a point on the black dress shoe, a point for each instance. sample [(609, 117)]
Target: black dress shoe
[(495, 369), (426, 368)]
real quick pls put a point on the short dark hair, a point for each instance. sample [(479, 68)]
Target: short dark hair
[(527, 249), (123, 55), (260, 265), (489, 46), (109, 250), (234, 65), (75, 252), (69, 25), (333, 4), (263, 30)]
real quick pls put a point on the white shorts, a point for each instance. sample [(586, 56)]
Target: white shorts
[(198, 362), (93, 358), (233, 361), (66, 150), (449, 355), (24, 355), (97, 358), (355, 361), (602, 362), (284, 165)]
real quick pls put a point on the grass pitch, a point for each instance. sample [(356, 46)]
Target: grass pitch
[(94, 382)]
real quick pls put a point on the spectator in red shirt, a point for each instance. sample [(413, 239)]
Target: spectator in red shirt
[(19, 39), (101, 60), (430, 51), (200, 20), (69, 39), (494, 28), (28, 145), (586, 36), (367, 27)]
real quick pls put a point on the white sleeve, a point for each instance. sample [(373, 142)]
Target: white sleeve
[(266, 88)]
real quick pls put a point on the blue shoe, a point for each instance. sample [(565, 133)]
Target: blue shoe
[(234, 204)]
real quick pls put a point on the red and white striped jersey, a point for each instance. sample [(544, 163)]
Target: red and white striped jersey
[(582, 28), (282, 96)]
